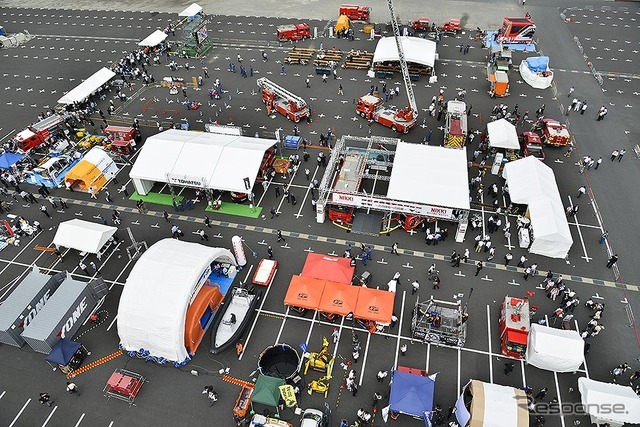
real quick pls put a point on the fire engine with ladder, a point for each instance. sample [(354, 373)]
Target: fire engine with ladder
[(284, 102), (455, 133), (371, 106), (514, 326)]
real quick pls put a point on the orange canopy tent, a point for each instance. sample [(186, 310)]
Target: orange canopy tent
[(326, 267), (304, 292), (338, 298), (375, 305)]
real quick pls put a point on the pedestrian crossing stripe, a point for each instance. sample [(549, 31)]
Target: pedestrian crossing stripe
[(238, 382), (92, 365)]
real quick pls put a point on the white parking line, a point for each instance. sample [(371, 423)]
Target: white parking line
[(313, 322), (55, 408), (20, 413), (577, 224), (364, 359), (395, 361), (584, 357), (489, 341), (459, 389), (80, 420), (524, 378), (306, 194), (284, 319), (426, 368), (3, 393), (255, 319)]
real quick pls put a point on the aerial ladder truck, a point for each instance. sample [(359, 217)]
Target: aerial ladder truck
[(284, 102), (371, 106)]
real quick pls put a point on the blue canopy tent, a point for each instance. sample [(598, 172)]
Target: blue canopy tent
[(62, 352), (7, 160), (412, 395)]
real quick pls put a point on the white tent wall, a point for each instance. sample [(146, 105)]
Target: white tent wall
[(502, 134), (533, 183), (142, 186), (495, 405), (154, 39), (87, 87), (416, 50), (555, 349), (599, 398), (82, 235), (101, 159), (156, 296)]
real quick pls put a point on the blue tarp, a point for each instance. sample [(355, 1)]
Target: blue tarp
[(411, 394), (9, 159), (488, 41), (538, 64), (62, 352)]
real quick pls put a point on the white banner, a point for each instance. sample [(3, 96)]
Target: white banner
[(186, 181), (387, 205)]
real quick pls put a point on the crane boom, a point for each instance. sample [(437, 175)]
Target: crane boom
[(403, 63), (281, 92)]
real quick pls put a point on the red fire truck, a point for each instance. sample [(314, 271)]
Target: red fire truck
[(514, 326), (451, 26), (421, 24), (293, 32), (531, 145), (356, 13), (371, 108), (455, 133), (553, 132), (347, 182), (38, 133), (284, 102), (517, 30), (120, 139)]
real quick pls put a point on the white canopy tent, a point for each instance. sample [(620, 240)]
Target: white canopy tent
[(493, 405), (192, 10), (502, 134), (609, 403), (87, 87), (533, 183), (154, 39), (555, 349), (158, 292), (430, 175), (199, 160), (416, 50), (82, 235)]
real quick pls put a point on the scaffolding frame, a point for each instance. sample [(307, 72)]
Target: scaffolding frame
[(439, 322)]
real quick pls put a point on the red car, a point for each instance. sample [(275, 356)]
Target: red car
[(532, 145)]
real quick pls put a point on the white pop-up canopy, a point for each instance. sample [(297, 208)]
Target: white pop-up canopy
[(493, 405), (199, 160), (609, 403), (194, 9), (153, 306), (533, 183), (154, 39), (502, 134), (430, 175), (555, 349), (416, 50), (87, 87), (82, 235)]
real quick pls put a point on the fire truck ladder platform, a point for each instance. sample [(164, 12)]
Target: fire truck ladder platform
[(236, 381), (281, 92), (92, 365)]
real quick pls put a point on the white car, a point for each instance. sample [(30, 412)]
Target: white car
[(313, 418)]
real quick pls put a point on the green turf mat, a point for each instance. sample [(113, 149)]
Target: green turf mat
[(236, 209), (156, 198)]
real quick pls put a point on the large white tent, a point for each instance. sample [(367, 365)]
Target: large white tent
[(87, 87), (555, 349), (154, 39), (156, 296), (533, 183), (492, 405), (502, 134), (416, 50), (82, 235), (430, 175), (199, 159), (609, 403), (192, 10)]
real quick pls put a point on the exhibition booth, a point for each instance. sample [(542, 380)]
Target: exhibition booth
[(200, 160), (483, 404), (154, 39), (92, 172), (554, 349), (84, 236), (156, 301), (411, 394), (416, 50), (606, 403), (502, 134), (532, 183), (87, 87), (327, 267)]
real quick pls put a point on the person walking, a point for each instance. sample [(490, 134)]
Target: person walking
[(403, 349), (92, 193), (621, 154), (581, 191), (508, 367), (415, 287), (279, 234), (523, 259), (82, 266), (571, 90), (340, 91), (381, 375), (479, 266), (44, 210), (72, 388), (307, 82), (542, 393), (394, 249), (203, 235), (207, 221), (603, 237), (273, 212), (507, 258), (307, 173), (614, 155), (270, 252), (45, 398), (583, 108), (94, 266), (598, 163), (612, 260), (165, 215)]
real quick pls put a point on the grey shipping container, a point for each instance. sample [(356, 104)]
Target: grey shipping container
[(24, 303), (63, 315)]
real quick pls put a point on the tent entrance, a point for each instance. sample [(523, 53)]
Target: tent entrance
[(367, 223)]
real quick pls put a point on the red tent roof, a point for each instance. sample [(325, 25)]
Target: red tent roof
[(375, 305), (338, 298), (304, 292), (326, 267)]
